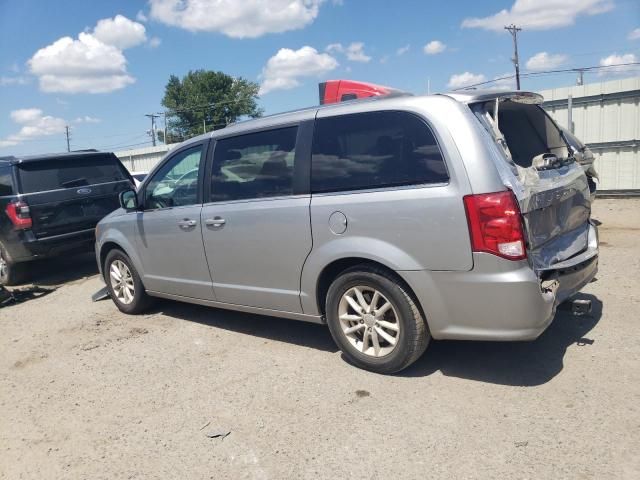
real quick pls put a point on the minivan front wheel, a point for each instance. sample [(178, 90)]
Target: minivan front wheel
[(375, 321), (124, 284)]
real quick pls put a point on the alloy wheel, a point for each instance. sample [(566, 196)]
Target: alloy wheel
[(369, 321), (121, 282)]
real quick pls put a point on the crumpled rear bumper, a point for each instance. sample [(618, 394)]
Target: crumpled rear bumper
[(498, 299)]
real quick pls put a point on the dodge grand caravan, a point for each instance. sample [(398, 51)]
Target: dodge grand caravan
[(392, 220)]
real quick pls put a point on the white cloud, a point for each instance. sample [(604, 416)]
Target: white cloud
[(120, 32), (354, 51), (615, 59), (92, 63), (33, 124), (403, 50), (83, 65), (141, 17), (154, 42), (13, 80), (87, 119), (434, 47), (464, 80), (236, 19), (540, 14), (634, 34), (546, 61), (286, 67)]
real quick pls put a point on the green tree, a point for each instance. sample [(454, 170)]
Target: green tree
[(205, 100)]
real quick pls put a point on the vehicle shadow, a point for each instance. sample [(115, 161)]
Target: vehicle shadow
[(511, 363), (64, 269), (504, 363), (278, 329)]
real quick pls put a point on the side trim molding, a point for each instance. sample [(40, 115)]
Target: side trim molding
[(241, 308)]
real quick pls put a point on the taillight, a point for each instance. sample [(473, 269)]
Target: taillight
[(495, 224), (18, 213)]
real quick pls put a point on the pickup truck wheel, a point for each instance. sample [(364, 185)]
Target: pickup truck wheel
[(11, 273), (374, 320), (124, 284)]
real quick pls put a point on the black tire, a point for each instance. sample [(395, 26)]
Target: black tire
[(11, 273), (141, 301), (413, 336)]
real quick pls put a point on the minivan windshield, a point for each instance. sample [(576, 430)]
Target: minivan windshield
[(524, 130), (55, 174)]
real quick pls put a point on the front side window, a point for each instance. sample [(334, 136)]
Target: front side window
[(176, 183), (255, 165), (374, 150)]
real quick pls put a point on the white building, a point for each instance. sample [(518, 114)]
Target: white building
[(606, 117), (143, 159)]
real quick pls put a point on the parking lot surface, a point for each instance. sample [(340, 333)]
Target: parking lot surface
[(87, 392)]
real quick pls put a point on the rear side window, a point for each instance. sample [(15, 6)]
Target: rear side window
[(6, 182), (43, 175), (373, 150), (256, 165)]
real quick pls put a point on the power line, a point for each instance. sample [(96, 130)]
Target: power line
[(550, 72)]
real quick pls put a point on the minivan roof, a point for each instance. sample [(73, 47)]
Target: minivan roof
[(14, 160), (465, 96)]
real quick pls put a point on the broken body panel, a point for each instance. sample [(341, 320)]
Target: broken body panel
[(550, 186)]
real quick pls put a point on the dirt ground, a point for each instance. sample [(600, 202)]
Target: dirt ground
[(87, 392)]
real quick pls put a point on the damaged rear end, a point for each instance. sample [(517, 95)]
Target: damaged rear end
[(538, 165)]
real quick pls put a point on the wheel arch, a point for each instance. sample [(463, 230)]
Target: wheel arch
[(334, 269)]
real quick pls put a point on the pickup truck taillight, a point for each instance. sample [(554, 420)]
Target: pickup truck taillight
[(495, 224), (18, 213)]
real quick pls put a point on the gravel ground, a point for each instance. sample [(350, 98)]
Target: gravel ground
[(87, 392)]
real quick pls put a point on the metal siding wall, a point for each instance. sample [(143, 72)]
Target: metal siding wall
[(605, 121)]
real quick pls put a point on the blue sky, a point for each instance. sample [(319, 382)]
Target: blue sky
[(102, 84)]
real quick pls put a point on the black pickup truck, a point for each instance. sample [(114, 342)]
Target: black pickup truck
[(50, 205)]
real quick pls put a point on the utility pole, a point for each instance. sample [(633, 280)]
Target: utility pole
[(153, 117), (66, 131), (513, 30), (165, 128), (580, 79)]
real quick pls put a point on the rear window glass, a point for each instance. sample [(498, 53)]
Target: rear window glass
[(373, 150), (529, 132), (6, 182), (40, 176)]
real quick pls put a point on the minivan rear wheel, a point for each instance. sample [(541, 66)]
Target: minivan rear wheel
[(375, 321), (124, 284)]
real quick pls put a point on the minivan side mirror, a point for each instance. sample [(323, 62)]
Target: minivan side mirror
[(128, 200)]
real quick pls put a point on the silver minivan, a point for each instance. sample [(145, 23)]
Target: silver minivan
[(392, 220)]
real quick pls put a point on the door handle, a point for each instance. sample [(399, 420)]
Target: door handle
[(215, 222), (187, 223)]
